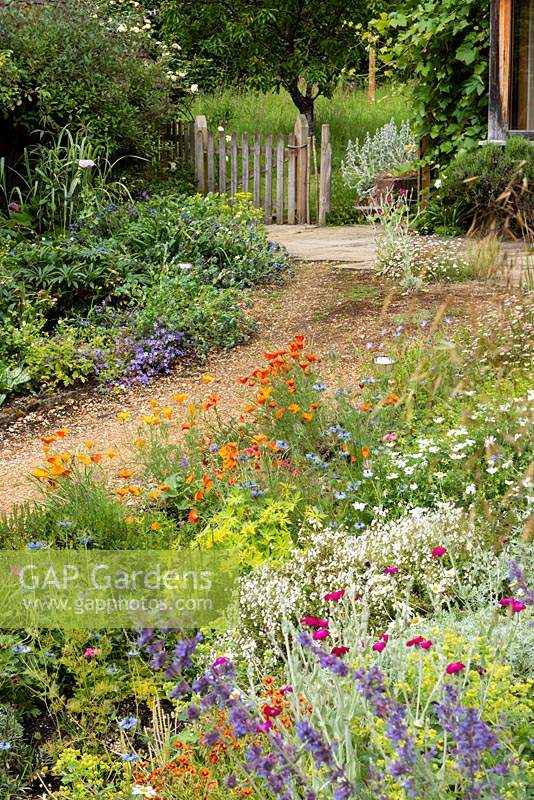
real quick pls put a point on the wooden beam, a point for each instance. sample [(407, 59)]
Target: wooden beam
[(505, 58)]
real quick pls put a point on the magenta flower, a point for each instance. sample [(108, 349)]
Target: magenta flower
[(415, 641), (453, 667), (426, 645), (286, 689), (437, 552), (335, 596), (385, 637), (340, 650), (378, 646), (511, 602), (271, 711), (319, 635), (91, 652), (390, 437), (263, 727), (219, 661), (14, 207), (314, 622), (390, 570)]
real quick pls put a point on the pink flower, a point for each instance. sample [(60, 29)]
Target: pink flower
[(86, 163), (263, 727), (339, 650), (390, 437), (286, 689), (415, 641), (437, 552), (219, 661), (390, 570), (91, 652), (378, 646), (335, 596), (271, 711), (314, 622), (14, 207), (426, 645), (385, 637), (453, 667), (515, 605), (319, 635)]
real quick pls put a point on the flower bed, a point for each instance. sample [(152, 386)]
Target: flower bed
[(380, 641)]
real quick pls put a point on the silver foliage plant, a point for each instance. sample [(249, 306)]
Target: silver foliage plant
[(386, 151)]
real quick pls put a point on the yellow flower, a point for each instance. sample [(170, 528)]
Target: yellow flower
[(123, 415), (207, 378)]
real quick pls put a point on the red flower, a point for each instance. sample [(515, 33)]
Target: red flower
[(453, 667), (515, 605), (415, 641), (314, 622), (339, 651), (335, 596), (437, 552), (321, 634), (271, 711), (426, 645), (378, 646)]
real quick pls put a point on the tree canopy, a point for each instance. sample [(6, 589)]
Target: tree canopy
[(299, 45)]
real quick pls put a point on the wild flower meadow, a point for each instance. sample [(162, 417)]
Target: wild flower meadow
[(379, 643)]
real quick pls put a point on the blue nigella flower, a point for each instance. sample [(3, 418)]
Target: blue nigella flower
[(132, 653), (281, 445), (21, 648), (359, 526), (129, 757), (127, 723), (340, 495), (35, 545), (256, 493), (5, 745), (65, 523), (319, 387)]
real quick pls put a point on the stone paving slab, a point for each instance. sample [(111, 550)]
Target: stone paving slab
[(350, 246)]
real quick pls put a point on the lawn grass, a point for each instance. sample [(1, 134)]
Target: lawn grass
[(348, 113)]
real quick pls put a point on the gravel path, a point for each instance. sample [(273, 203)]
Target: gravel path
[(339, 311)]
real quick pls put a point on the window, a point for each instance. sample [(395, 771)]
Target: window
[(522, 67)]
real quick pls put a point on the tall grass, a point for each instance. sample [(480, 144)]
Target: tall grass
[(348, 113)]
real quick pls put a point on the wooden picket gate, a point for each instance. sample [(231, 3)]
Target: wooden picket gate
[(230, 164)]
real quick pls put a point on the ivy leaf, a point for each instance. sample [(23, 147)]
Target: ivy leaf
[(466, 53)]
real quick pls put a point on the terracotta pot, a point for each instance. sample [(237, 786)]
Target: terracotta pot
[(394, 185)]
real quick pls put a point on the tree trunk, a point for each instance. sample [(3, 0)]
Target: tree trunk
[(305, 103)]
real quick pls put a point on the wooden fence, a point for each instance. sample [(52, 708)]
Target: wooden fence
[(283, 177)]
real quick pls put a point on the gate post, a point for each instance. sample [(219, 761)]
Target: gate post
[(301, 142), (201, 147)]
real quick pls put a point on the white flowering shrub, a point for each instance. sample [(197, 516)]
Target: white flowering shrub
[(413, 260), (385, 152), (390, 567)]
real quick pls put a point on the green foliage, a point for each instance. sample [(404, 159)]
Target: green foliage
[(84, 65), (302, 48), (491, 189), (441, 48)]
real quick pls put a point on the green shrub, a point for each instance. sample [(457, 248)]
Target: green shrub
[(491, 188), (72, 63)]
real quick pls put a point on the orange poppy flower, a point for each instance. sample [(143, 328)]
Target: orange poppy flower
[(365, 406), (314, 406), (180, 397), (185, 426), (111, 453), (61, 432), (307, 416), (125, 473), (155, 526), (279, 413), (243, 381), (391, 400), (208, 483), (39, 473), (129, 520), (154, 495), (164, 487), (193, 516), (89, 444), (134, 490), (140, 442), (97, 458), (48, 439), (166, 412), (83, 459), (365, 452), (207, 378), (122, 492), (199, 495), (294, 408), (189, 480), (250, 409)]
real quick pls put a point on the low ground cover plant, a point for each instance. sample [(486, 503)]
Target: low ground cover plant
[(382, 620), (130, 290)]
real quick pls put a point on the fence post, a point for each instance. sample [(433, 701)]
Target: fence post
[(257, 171), (222, 162), (325, 179), (200, 146), (280, 180), (291, 178), (211, 162), (244, 162), (301, 142), (268, 179)]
